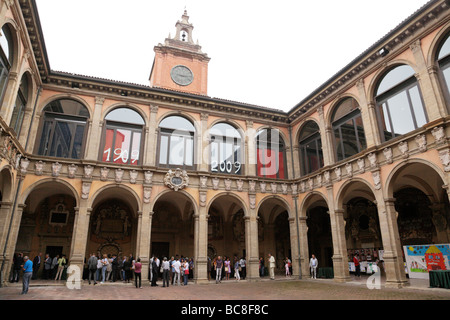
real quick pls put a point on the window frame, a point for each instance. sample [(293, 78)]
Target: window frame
[(444, 64), (302, 145), (223, 141), (339, 123), (281, 148), (184, 133), (53, 118), (402, 87), (23, 99), (116, 125), (6, 63)]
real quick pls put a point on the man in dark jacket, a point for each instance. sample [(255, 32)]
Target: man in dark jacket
[(36, 265), (92, 266), (154, 272), (115, 268)]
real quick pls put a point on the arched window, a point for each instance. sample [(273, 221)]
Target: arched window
[(226, 154), (6, 55), (20, 105), (310, 147), (63, 129), (122, 137), (443, 59), (399, 104), (176, 143), (271, 154), (348, 129)]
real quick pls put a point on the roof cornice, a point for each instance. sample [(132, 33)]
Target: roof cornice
[(354, 71)]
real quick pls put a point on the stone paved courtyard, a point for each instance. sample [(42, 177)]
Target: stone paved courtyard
[(280, 289)]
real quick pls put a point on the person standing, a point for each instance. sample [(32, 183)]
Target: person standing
[(261, 267), (47, 266), (18, 263), (287, 266), (219, 265), (154, 272), (127, 269), (357, 266), (236, 269), (166, 270), (92, 266), (54, 269), (186, 272), (272, 267), (313, 264), (36, 265), (61, 264), (243, 267), (227, 268), (27, 274), (176, 268), (105, 264), (137, 273), (208, 267), (115, 268), (98, 275)]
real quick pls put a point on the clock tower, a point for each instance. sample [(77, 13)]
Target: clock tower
[(179, 63)]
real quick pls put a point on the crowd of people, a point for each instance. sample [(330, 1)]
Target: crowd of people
[(52, 267), (111, 268)]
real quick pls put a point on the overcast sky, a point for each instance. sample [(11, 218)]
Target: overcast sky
[(267, 53)]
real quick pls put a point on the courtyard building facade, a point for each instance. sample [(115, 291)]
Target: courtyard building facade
[(90, 165)]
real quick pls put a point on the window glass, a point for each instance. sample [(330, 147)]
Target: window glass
[(395, 77), (225, 149), (445, 49), (400, 108), (20, 105), (176, 143), (271, 154), (63, 129), (177, 123), (6, 43), (125, 115), (311, 156), (348, 129), (444, 64), (122, 139)]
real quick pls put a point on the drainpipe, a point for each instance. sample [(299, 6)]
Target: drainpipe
[(19, 186), (296, 208)]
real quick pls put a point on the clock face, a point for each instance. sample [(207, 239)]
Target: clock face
[(182, 75)]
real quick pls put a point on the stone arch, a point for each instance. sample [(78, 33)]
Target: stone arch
[(435, 44), (173, 224), (343, 193), (231, 194), (426, 187), (94, 199), (311, 198), (39, 184), (183, 192), (280, 201)]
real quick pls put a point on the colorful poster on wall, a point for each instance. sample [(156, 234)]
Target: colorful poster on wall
[(423, 258)]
